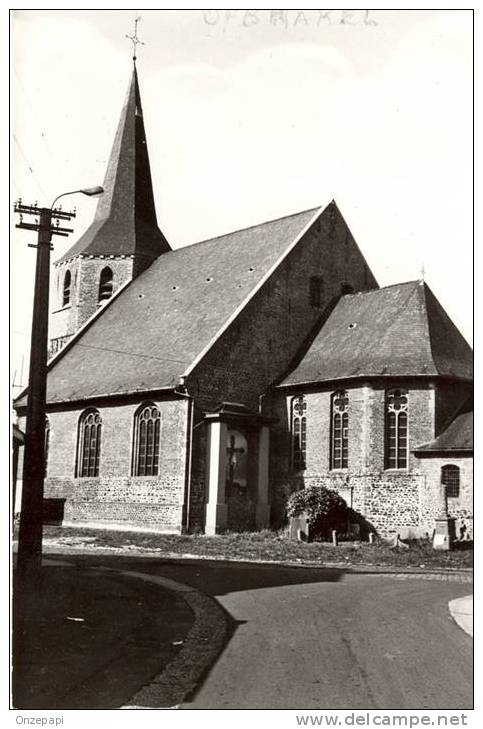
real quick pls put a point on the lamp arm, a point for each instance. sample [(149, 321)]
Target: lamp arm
[(72, 192)]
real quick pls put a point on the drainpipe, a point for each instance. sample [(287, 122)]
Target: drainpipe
[(189, 397)]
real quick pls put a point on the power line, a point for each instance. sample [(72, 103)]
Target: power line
[(160, 359), (29, 166), (35, 110)]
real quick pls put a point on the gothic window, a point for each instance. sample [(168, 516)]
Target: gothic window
[(339, 448), (396, 455), (89, 444), (105, 284), (147, 426), (299, 433), (66, 289), (450, 478), (46, 445), (315, 291)]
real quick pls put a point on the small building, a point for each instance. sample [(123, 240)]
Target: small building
[(447, 465)]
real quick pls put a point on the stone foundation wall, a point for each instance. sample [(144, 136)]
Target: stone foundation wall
[(390, 504)]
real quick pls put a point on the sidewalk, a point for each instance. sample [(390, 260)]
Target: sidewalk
[(87, 626), (462, 612)]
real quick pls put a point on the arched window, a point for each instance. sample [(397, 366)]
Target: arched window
[(89, 444), (147, 427), (315, 291), (339, 448), (396, 452), (105, 284), (299, 433), (66, 290), (450, 478), (46, 445)]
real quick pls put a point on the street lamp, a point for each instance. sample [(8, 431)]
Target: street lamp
[(89, 191), (29, 560)]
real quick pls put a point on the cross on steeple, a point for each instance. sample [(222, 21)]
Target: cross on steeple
[(134, 38)]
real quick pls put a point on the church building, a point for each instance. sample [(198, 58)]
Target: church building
[(195, 389)]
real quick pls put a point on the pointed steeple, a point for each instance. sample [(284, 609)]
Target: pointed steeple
[(125, 221)]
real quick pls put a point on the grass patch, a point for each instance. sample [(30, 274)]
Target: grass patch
[(264, 546)]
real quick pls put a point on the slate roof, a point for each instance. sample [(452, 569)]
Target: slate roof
[(125, 220), (397, 330), (457, 436), (154, 329)]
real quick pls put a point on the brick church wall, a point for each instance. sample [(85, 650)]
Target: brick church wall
[(261, 343), (115, 498), (391, 501)]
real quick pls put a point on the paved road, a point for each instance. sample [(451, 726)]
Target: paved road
[(324, 639)]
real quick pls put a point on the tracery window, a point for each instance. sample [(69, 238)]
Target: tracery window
[(299, 433), (147, 427), (67, 288), (105, 284), (450, 478), (89, 444), (339, 448), (396, 452)]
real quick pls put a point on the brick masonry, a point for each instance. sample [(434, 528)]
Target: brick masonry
[(116, 498), (261, 343)]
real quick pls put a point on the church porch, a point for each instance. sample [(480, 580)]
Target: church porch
[(230, 471)]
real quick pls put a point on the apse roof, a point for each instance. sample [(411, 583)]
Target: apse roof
[(397, 330)]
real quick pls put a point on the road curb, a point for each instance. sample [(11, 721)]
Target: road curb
[(201, 647), (202, 644), (461, 611)]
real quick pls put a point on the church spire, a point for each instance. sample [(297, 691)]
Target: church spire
[(125, 221)]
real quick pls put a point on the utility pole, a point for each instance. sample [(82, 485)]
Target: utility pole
[(30, 534)]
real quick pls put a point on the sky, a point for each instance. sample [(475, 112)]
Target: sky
[(252, 115)]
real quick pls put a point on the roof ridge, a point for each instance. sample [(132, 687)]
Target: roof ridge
[(249, 227), (381, 288), (317, 212)]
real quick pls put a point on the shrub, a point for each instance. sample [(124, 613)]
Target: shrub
[(325, 509)]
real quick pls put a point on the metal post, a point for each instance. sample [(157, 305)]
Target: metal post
[(30, 533)]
